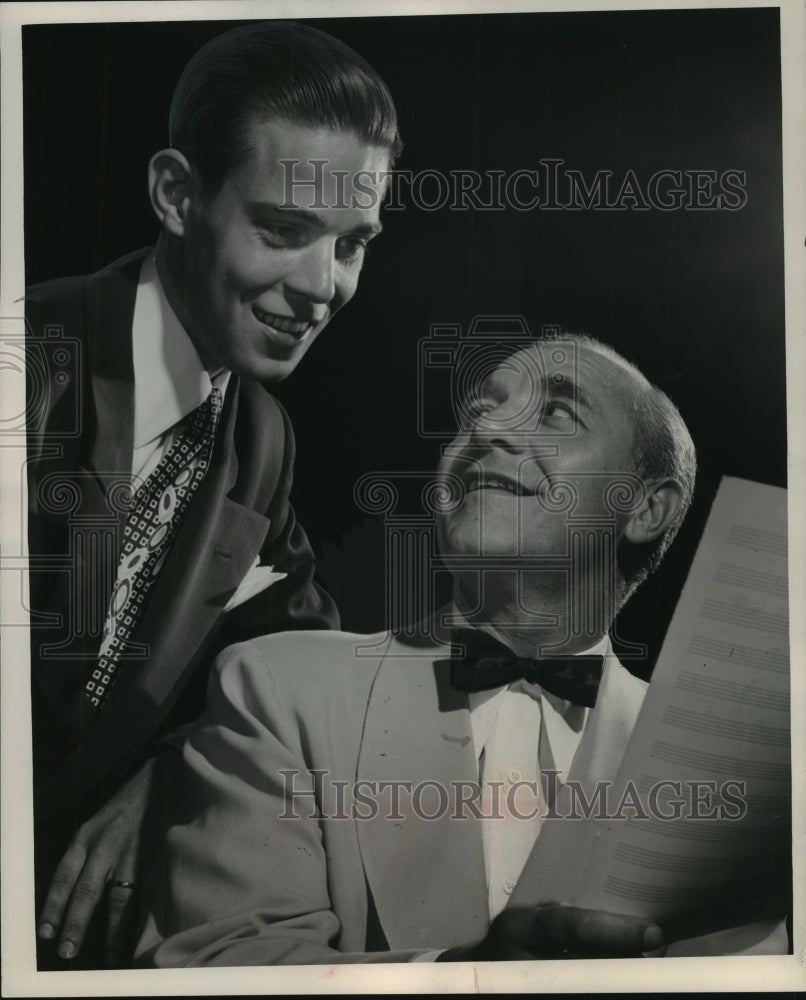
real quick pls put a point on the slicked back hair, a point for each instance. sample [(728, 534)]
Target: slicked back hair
[(274, 70)]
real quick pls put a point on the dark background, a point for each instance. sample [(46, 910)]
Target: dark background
[(695, 298)]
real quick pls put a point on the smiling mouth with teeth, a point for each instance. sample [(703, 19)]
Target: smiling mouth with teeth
[(285, 324), (491, 483)]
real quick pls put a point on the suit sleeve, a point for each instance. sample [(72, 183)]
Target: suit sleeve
[(244, 875), (297, 602), (764, 937)]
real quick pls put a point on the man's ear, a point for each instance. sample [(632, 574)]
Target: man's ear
[(169, 184), (657, 510)]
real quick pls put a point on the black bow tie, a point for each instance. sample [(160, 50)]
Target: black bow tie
[(488, 663)]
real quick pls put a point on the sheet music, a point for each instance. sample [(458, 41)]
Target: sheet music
[(716, 721)]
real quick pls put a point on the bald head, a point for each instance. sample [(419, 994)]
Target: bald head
[(662, 450), (566, 431)]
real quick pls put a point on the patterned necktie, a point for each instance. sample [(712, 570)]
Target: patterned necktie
[(158, 507), (488, 663)]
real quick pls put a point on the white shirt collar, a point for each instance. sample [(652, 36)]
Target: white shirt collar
[(564, 721), (170, 380)]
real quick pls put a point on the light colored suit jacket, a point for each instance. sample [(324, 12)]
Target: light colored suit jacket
[(240, 885)]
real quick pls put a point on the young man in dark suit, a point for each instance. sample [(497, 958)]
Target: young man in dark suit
[(159, 468)]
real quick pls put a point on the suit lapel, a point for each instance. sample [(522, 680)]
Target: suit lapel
[(426, 875), (76, 594), (109, 304), (216, 544), (110, 313), (90, 538), (556, 865)]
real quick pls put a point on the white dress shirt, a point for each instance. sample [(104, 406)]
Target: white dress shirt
[(170, 380), (517, 730)]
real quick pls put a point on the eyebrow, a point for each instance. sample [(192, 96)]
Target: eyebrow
[(567, 388), (268, 211)]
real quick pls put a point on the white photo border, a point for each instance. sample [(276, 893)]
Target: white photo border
[(20, 977)]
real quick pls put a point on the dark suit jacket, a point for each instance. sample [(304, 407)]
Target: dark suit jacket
[(81, 416)]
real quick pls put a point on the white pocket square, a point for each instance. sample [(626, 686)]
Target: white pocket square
[(257, 578)]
